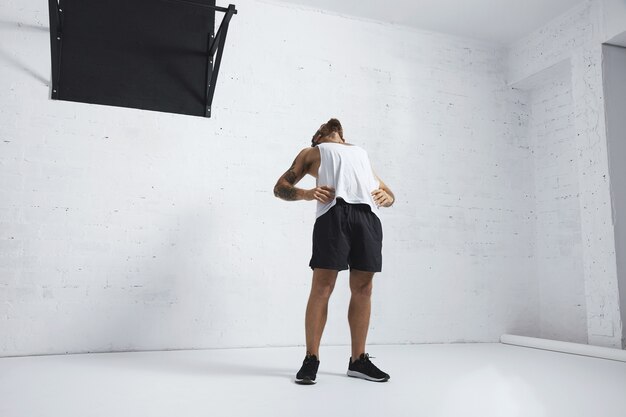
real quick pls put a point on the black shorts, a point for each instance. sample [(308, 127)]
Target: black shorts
[(348, 236)]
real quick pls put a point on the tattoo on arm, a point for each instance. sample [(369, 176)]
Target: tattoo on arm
[(285, 188), (287, 191), (290, 177)]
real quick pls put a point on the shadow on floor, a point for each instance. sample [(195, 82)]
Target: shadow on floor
[(155, 362)]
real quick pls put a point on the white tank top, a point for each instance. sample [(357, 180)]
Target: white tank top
[(348, 170)]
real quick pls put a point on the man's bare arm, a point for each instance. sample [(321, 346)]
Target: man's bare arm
[(285, 186), (383, 195)]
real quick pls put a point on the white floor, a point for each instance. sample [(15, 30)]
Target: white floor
[(426, 380)]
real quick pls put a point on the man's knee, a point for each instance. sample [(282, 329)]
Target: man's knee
[(323, 284), (323, 289), (361, 288)]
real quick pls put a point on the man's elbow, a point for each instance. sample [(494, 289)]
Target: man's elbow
[(277, 189)]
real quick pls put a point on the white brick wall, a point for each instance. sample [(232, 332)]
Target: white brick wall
[(126, 229), (604, 323), (552, 43), (123, 229), (558, 253), (572, 41)]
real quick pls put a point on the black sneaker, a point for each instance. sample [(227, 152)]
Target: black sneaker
[(364, 368), (307, 373)]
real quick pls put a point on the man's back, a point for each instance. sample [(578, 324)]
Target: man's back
[(346, 169)]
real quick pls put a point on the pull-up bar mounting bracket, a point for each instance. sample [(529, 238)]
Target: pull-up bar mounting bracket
[(215, 48)]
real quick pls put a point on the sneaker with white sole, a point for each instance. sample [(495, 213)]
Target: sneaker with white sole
[(307, 373), (365, 369)]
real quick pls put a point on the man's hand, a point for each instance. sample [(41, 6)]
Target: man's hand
[(382, 198), (323, 194)]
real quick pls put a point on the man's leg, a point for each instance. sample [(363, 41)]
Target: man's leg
[(360, 309), (360, 365), (317, 307)]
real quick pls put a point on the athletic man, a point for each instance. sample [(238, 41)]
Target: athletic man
[(347, 234)]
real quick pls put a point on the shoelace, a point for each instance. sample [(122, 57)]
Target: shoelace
[(369, 364), (309, 363)]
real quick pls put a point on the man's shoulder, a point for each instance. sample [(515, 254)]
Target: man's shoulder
[(310, 151), (309, 154)]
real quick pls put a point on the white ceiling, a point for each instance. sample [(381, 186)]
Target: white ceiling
[(499, 21)]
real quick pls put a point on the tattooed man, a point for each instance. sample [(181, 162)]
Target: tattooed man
[(347, 235)]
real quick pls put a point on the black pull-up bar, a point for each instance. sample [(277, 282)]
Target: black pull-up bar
[(215, 44), (144, 43)]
